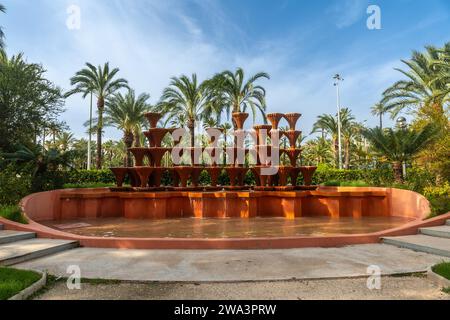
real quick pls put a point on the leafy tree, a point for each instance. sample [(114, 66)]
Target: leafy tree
[(29, 103), (102, 82), (399, 146)]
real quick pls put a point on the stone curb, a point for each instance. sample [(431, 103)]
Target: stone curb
[(27, 292), (438, 279)]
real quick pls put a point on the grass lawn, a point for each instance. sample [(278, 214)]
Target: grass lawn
[(13, 281), (12, 213), (442, 269)]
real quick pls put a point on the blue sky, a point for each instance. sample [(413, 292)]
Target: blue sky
[(300, 43)]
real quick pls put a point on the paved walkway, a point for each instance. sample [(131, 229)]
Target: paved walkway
[(391, 288), (234, 265)]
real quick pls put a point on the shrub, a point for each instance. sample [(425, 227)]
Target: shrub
[(13, 213), (439, 198), (89, 176), (13, 185)]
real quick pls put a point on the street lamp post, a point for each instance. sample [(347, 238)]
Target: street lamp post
[(403, 125), (90, 136), (338, 79)]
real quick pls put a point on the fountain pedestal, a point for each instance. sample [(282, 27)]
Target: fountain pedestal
[(274, 119), (139, 155), (292, 119), (155, 136), (239, 119), (119, 174), (153, 118), (144, 175), (183, 173), (157, 154)]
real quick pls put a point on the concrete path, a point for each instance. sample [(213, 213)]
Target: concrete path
[(408, 288), (234, 265)]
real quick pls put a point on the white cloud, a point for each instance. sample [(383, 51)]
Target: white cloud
[(348, 12)]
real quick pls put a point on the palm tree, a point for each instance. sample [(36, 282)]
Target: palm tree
[(318, 151), (422, 87), (379, 110), (126, 113), (101, 82), (232, 92), (65, 141), (399, 145), (329, 124), (2, 35), (188, 100)]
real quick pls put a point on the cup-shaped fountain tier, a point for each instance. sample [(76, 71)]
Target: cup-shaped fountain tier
[(283, 174), (139, 155), (155, 136), (262, 178), (293, 155), (292, 136), (275, 119), (236, 175), (183, 173), (262, 133), (239, 119), (153, 118), (119, 174), (143, 174), (308, 173), (295, 172), (157, 154), (195, 175), (156, 177), (292, 119), (214, 173)]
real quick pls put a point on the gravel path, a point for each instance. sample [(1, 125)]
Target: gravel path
[(411, 287)]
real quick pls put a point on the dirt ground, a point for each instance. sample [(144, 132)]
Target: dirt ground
[(408, 287)]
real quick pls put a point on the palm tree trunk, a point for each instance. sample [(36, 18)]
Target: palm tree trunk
[(137, 139), (100, 107), (398, 172), (128, 139), (381, 121), (347, 154), (336, 151)]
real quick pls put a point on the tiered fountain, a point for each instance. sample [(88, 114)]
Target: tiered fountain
[(147, 177)]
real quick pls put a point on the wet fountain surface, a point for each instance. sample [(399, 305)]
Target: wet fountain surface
[(226, 228)]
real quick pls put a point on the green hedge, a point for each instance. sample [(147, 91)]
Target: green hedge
[(439, 198)]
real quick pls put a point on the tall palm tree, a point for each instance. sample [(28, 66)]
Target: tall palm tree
[(126, 113), (236, 94), (188, 99), (379, 110), (2, 35), (400, 145), (422, 87), (101, 82), (329, 124), (318, 151), (64, 141)]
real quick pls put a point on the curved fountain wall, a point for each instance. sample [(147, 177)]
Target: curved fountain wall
[(326, 201)]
